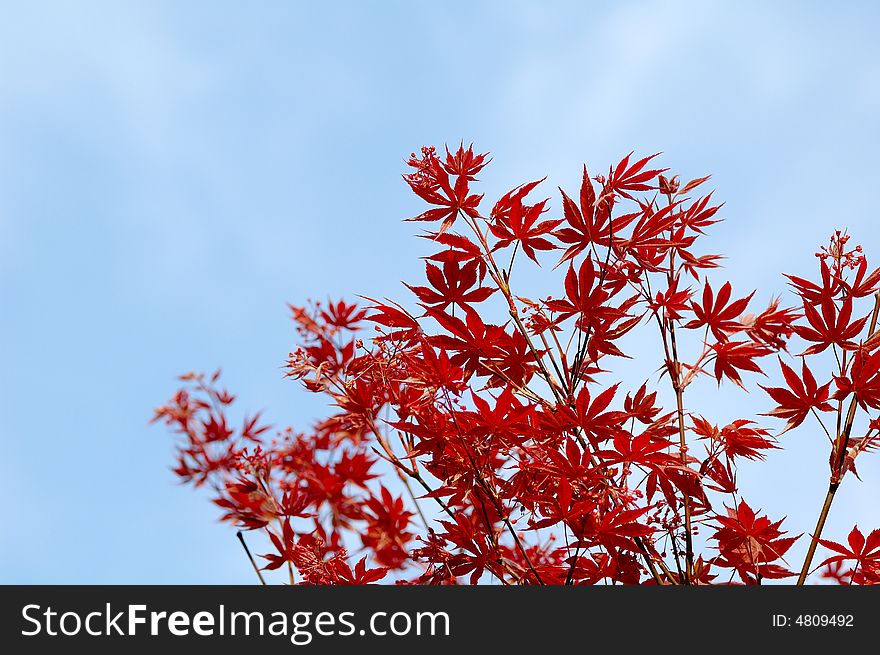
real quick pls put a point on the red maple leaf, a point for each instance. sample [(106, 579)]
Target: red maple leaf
[(734, 356), (865, 552), (863, 380), (751, 544), (454, 284), (515, 221), (832, 326), (591, 222), (741, 438), (633, 177), (802, 396), (431, 183), (717, 314)]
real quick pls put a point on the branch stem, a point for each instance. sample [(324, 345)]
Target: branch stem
[(838, 458), (817, 533)]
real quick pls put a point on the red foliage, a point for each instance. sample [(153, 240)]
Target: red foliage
[(483, 436)]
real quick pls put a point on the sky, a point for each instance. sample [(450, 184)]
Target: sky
[(171, 174)]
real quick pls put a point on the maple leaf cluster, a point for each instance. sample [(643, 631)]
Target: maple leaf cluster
[(476, 435)]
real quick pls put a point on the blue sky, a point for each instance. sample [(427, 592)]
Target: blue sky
[(172, 173)]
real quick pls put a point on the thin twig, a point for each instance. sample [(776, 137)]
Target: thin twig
[(679, 403), (247, 550)]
